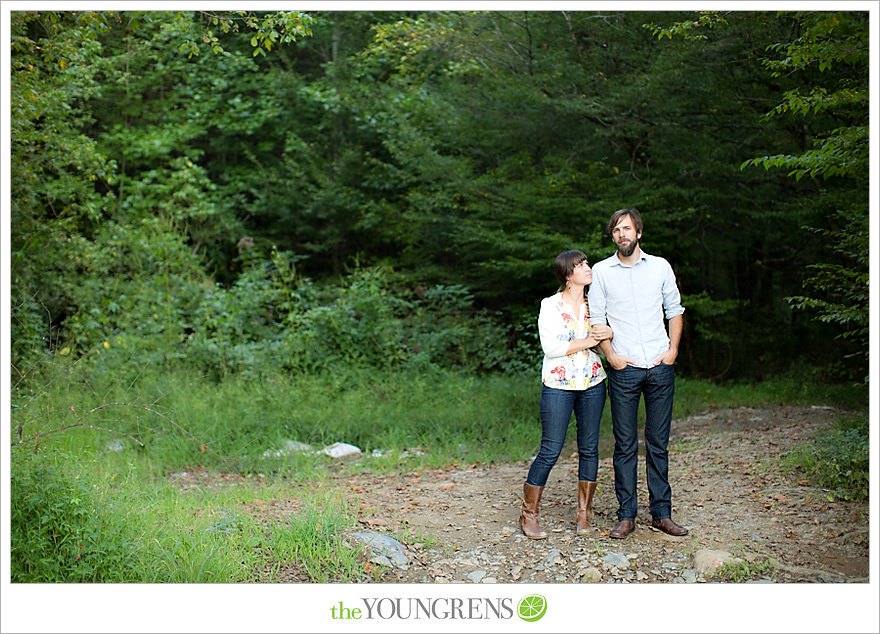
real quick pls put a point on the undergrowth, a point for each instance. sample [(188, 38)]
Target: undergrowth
[(742, 571), (837, 460)]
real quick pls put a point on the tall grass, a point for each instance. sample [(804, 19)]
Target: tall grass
[(838, 460), (693, 396), (100, 521), (175, 420)]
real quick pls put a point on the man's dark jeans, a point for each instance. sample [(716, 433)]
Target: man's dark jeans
[(626, 387)]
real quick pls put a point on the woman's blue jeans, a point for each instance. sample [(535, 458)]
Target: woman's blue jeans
[(626, 387), (556, 409)]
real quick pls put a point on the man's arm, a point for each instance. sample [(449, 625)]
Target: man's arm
[(676, 325), (599, 315), (616, 361)]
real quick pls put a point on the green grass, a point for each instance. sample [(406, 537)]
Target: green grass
[(96, 521), (694, 396), (743, 571), (837, 460), (97, 496)]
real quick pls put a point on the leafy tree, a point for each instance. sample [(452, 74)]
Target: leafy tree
[(521, 132), (839, 151), (106, 118), (55, 167), (174, 151)]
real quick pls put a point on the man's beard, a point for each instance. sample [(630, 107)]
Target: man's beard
[(628, 249)]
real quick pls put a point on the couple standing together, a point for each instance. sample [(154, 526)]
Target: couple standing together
[(619, 306)]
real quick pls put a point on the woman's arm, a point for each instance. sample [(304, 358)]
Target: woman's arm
[(553, 332), (598, 333)]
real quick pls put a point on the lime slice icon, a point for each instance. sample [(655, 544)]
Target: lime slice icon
[(532, 607)]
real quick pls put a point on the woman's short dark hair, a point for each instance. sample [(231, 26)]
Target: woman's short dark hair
[(620, 213), (564, 265)]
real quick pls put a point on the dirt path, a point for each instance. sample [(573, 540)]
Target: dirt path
[(460, 525)]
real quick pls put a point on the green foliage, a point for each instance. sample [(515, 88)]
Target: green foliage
[(843, 289), (745, 571), (61, 529), (272, 319), (689, 29), (268, 29), (830, 40), (54, 168), (446, 150), (838, 460), (157, 285)]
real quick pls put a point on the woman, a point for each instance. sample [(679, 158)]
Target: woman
[(573, 381)]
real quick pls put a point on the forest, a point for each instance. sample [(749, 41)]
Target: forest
[(233, 228), (211, 189)]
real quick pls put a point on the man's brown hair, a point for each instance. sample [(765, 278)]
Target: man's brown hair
[(620, 213)]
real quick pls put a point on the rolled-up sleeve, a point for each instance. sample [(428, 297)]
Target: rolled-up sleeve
[(671, 295), (596, 299)]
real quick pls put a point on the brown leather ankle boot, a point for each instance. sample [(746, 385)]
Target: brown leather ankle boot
[(528, 518), (585, 506)]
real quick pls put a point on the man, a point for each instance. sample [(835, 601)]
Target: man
[(632, 291)]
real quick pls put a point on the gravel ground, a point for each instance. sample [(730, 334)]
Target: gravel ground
[(460, 525)]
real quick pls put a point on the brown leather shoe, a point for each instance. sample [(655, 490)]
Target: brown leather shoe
[(622, 529), (669, 527)]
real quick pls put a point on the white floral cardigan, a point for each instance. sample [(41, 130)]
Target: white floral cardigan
[(557, 328)]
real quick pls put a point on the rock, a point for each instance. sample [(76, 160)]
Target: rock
[(290, 447), (615, 560), (476, 576), (590, 574), (340, 450), (336, 450), (115, 445), (553, 558), (386, 550), (707, 561)]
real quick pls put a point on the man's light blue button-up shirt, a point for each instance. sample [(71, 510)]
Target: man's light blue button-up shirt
[(633, 300)]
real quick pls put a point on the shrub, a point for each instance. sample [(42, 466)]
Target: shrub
[(837, 460), (271, 320), (59, 531)]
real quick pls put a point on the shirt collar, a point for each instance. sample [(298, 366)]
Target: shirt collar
[(617, 262)]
